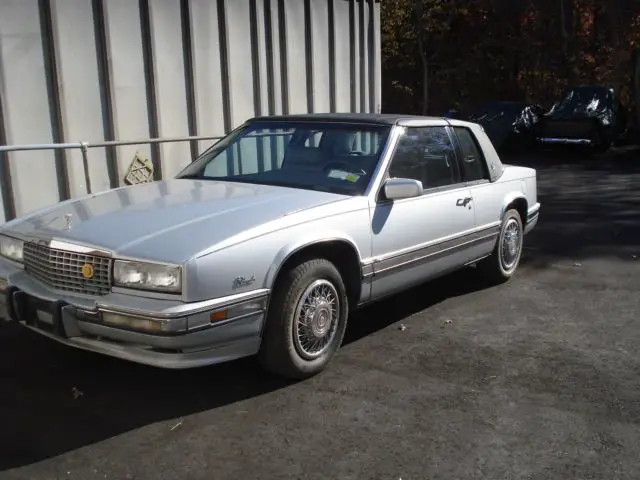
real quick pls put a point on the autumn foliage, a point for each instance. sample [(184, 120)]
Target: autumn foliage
[(442, 54)]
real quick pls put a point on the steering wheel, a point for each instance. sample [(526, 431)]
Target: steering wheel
[(346, 166)]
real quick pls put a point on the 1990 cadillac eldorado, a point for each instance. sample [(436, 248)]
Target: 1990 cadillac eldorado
[(266, 242)]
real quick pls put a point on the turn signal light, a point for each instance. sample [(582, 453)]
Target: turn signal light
[(218, 316)]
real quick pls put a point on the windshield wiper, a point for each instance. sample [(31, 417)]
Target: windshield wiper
[(192, 177), (270, 183), (221, 179)]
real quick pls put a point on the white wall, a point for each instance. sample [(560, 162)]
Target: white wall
[(84, 70)]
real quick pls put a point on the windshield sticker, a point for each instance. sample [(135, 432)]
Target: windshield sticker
[(342, 175)]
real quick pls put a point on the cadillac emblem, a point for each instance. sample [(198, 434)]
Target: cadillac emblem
[(87, 271)]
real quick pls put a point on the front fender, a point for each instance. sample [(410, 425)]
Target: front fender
[(299, 244), (255, 262)]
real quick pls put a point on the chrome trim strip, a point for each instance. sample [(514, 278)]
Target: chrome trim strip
[(532, 218), (572, 141), (423, 122), (159, 295), (78, 248), (66, 245), (531, 224), (533, 211), (428, 253), (201, 328), (236, 311), (184, 309), (185, 326), (439, 241), (367, 269), (125, 258)]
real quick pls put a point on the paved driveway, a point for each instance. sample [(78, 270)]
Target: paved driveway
[(538, 378)]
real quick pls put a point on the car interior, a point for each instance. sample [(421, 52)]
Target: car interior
[(428, 162), (334, 149)]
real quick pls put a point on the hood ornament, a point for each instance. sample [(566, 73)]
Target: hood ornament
[(68, 220)]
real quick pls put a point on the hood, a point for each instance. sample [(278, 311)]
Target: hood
[(168, 221)]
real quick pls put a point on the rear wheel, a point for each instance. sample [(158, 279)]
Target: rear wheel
[(504, 261), (306, 321)]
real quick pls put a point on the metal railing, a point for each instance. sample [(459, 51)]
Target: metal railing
[(85, 146)]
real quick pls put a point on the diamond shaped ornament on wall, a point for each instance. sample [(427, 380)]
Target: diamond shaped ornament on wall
[(140, 170)]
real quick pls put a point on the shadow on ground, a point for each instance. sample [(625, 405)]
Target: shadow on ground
[(55, 399), (41, 418)]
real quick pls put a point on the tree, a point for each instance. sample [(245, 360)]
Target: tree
[(439, 53)]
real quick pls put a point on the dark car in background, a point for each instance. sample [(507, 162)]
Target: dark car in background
[(509, 124), (590, 116), (586, 115)]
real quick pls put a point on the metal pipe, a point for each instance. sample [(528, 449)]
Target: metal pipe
[(113, 143), (85, 165), (117, 143), (85, 146), (39, 146)]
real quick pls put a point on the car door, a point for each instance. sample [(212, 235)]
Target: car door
[(415, 239), (487, 197)]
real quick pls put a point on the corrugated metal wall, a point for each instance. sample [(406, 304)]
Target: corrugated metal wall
[(93, 70)]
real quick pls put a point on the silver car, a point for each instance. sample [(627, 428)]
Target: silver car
[(268, 241)]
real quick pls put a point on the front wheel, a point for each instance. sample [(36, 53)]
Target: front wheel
[(504, 261), (306, 321)]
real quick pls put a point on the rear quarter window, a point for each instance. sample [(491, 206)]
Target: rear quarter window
[(473, 163)]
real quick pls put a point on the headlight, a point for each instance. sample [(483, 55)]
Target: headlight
[(147, 276), (11, 248)]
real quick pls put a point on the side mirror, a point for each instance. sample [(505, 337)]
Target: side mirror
[(398, 188)]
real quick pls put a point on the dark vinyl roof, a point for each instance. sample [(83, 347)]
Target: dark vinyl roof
[(370, 118)]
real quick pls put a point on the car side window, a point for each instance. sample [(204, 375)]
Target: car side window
[(473, 162), (313, 140), (425, 154)]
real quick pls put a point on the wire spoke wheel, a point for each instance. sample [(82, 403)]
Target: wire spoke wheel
[(511, 244), (316, 319)]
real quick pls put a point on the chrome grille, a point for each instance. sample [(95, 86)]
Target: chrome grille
[(62, 270)]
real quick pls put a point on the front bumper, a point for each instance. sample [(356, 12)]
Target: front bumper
[(194, 334)]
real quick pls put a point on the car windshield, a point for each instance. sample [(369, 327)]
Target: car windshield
[(333, 157), (585, 99)]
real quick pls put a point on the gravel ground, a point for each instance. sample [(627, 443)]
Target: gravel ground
[(535, 379)]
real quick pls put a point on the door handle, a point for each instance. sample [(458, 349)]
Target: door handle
[(462, 202)]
